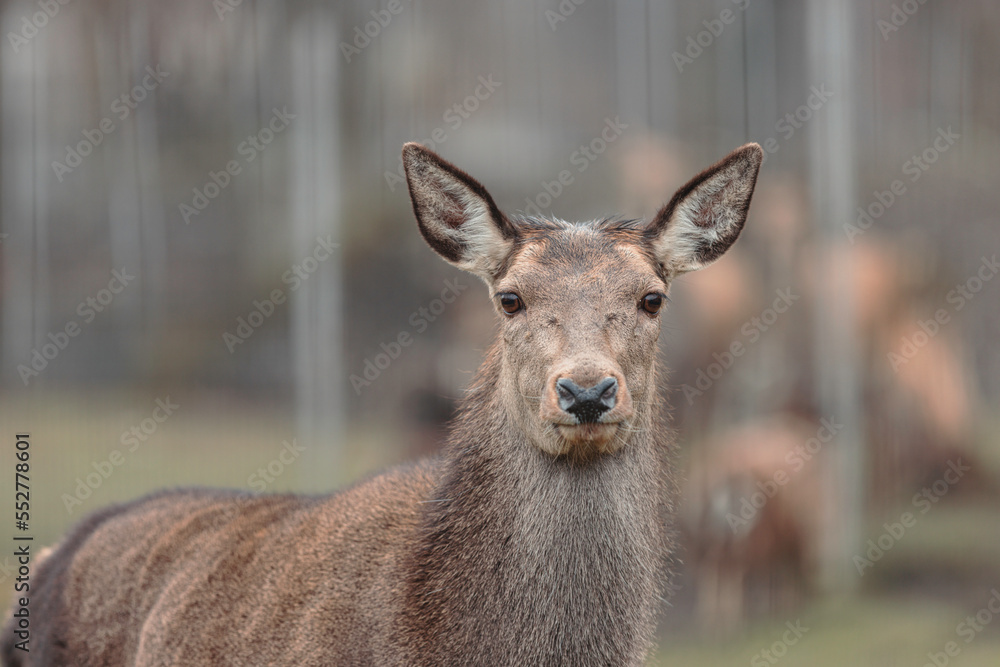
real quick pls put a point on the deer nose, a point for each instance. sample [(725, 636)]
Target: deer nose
[(587, 405)]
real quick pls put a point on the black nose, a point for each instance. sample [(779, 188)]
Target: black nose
[(587, 405)]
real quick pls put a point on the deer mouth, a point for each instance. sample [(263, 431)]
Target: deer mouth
[(598, 434), (587, 442)]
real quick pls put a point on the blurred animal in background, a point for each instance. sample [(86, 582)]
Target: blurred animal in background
[(751, 518), (919, 394)]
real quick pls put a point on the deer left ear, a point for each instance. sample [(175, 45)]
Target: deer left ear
[(706, 216)]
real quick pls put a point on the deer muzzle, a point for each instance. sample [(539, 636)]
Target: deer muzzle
[(586, 401)]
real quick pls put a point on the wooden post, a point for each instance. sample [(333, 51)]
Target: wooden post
[(832, 175), (315, 187), (26, 177)]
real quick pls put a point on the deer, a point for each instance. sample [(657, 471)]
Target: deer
[(752, 518), (541, 535)]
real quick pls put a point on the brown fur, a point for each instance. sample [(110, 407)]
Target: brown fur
[(533, 540)]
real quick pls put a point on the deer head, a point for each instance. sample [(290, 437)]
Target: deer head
[(579, 304)]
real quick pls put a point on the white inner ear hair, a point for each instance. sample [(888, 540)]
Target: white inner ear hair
[(465, 218), (709, 214)]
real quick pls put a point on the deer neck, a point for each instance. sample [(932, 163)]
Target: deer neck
[(519, 549)]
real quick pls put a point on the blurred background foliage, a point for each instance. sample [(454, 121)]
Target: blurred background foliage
[(241, 159)]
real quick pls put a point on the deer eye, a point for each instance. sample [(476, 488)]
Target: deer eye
[(511, 303), (652, 303)]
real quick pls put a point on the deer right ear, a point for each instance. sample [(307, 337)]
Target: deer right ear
[(707, 214), (456, 215)]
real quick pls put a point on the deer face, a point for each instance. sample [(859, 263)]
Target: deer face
[(579, 304), (579, 309)]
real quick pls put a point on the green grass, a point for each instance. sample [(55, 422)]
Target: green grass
[(868, 632)]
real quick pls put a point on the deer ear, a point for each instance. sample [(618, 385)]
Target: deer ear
[(456, 214), (706, 216)]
